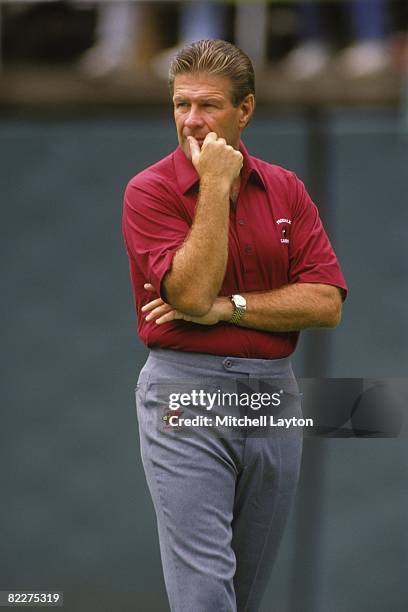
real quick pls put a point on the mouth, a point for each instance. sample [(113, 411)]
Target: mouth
[(199, 140)]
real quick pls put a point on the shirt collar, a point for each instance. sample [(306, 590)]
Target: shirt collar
[(187, 175)]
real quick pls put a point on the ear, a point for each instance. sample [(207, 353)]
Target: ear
[(246, 108)]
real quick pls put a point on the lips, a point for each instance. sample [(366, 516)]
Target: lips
[(199, 140)]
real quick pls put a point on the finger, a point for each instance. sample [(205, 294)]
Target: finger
[(172, 315), (211, 136), (149, 287), (152, 304), (159, 311), (222, 140), (194, 149), (169, 316)]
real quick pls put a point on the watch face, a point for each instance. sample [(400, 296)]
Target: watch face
[(239, 301)]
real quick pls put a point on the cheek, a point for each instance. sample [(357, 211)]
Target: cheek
[(179, 126), (181, 121)]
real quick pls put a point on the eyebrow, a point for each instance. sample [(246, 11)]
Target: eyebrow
[(180, 98)]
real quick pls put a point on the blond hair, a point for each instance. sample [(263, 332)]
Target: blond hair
[(217, 57)]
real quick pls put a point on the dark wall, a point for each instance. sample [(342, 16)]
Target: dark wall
[(76, 514)]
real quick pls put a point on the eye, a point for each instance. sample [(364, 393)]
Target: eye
[(181, 104)]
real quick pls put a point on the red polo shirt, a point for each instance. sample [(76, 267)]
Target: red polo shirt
[(275, 238)]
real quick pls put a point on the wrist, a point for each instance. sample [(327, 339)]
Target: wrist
[(226, 308), (214, 181)]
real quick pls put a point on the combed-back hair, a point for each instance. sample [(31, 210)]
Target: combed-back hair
[(217, 57)]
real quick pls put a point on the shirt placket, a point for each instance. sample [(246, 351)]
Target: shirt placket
[(246, 244)]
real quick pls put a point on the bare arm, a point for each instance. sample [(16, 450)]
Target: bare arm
[(289, 308), (292, 308), (198, 267)]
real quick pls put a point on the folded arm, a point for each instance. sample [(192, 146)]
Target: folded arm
[(289, 308)]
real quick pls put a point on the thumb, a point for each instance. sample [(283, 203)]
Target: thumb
[(194, 149)]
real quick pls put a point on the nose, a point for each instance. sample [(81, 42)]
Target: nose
[(194, 118)]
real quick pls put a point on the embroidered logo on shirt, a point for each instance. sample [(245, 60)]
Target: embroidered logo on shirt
[(284, 231)]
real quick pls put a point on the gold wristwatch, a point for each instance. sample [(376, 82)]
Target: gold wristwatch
[(239, 303)]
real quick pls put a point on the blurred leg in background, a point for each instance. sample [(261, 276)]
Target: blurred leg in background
[(209, 19), (251, 30), (197, 20), (369, 53), (117, 30), (312, 53)]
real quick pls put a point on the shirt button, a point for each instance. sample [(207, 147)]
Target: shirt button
[(248, 248), (241, 222)]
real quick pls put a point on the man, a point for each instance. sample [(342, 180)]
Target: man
[(228, 261)]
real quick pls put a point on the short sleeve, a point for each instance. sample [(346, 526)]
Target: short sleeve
[(311, 256), (153, 230)]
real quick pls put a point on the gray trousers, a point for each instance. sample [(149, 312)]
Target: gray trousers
[(221, 494)]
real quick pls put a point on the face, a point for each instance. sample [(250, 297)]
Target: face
[(202, 104)]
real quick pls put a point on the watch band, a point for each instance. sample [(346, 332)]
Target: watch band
[(239, 304), (237, 315)]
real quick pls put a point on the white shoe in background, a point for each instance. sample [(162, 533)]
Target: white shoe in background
[(306, 61), (364, 59), (103, 61)]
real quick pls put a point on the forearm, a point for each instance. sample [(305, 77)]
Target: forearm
[(198, 267), (289, 308)]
